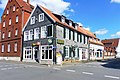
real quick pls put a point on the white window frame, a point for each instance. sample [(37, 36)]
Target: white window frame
[(3, 35), (63, 19), (86, 40), (17, 18), (29, 49), (75, 35), (36, 34), (26, 37), (10, 21), (15, 47), (32, 20), (70, 23), (14, 8), (3, 47), (52, 30), (3, 23), (9, 34), (41, 17), (31, 34), (7, 11), (16, 32), (76, 52), (8, 47), (82, 39), (67, 33), (71, 35), (43, 32), (45, 48), (66, 51)]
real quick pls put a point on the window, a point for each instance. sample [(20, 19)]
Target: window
[(31, 35), (8, 47), (70, 23), (3, 47), (9, 34), (3, 35), (76, 36), (10, 21), (32, 21), (14, 8), (71, 35), (49, 30), (28, 53), (41, 17), (36, 33), (43, 32), (26, 35), (67, 33), (16, 18), (4, 24), (66, 51), (63, 19), (16, 32), (47, 52), (15, 47), (86, 41), (7, 11)]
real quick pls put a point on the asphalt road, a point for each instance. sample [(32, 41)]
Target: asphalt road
[(83, 71)]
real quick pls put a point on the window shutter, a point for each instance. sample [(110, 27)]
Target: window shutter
[(77, 37), (78, 52), (64, 33), (69, 51), (69, 34)]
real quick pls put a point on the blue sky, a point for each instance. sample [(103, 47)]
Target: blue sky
[(99, 16)]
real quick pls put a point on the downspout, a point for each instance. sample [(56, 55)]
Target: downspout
[(21, 53)]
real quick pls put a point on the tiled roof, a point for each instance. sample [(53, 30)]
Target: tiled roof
[(80, 29), (25, 6), (111, 42), (96, 42)]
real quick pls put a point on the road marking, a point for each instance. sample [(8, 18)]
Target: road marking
[(87, 73), (10, 68), (70, 70), (57, 69), (4, 69), (113, 77)]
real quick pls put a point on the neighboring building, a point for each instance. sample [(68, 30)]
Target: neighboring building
[(47, 33), (111, 47), (96, 49), (13, 19), (0, 31)]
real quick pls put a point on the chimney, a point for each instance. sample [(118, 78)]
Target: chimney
[(28, 1)]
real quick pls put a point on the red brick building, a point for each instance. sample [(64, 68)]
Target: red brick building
[(0, 31), (13, 19)]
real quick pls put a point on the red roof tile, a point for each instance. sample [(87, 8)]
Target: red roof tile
[(80, 29)]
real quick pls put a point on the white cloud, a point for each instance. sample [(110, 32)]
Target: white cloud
[(101, 31), (117, 34), (87, 28), (115, 1), (3, 3), (57, 6)]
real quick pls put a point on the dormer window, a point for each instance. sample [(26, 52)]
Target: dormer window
[(76, 25), (13, 8), (63, 19), (41, 17), (70, 23)]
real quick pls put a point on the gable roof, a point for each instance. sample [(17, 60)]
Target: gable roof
[(111, 42), (80, 29), (25, 6)]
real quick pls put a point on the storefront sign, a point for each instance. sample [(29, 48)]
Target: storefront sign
[(50, 41), (59, 41), (35, 44)]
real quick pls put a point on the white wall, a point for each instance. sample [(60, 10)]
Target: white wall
[(118, 50)]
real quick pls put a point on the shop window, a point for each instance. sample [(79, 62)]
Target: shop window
[(41, 17), (47, 52), (28, 53), (66, 51)]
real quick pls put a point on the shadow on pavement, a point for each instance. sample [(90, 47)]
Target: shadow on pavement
[(111, 63)]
